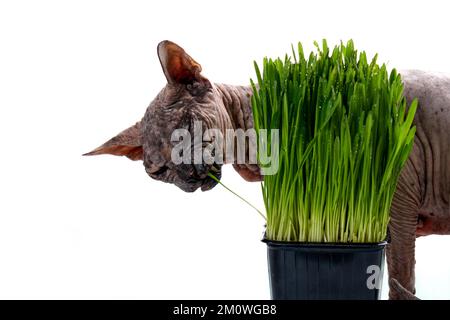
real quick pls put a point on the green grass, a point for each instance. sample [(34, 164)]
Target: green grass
[(344, 138)]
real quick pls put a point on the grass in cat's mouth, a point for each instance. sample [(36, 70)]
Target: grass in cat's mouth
[(218, 181), (213, 178)]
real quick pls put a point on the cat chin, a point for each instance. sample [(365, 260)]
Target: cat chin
[(204, 185), (187, 187)]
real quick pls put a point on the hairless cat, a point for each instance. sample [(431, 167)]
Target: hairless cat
[(421, 202)]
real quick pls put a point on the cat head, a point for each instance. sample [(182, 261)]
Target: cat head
[(186, 99)]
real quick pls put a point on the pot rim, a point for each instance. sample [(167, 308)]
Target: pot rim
[(331, 245)]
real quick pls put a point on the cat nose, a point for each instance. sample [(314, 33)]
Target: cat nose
[(185, 171)]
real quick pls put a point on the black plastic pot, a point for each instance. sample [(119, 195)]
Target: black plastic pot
[(308, 271)]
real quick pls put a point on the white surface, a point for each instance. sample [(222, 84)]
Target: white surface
[(73, 74)]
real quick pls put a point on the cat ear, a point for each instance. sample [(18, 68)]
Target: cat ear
[(178, 66), (127, 143)]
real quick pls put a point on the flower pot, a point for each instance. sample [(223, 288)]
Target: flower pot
[(320, 271)]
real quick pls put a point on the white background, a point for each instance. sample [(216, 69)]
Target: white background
[(75, 73)]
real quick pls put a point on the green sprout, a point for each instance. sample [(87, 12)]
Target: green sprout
[(345, 133)]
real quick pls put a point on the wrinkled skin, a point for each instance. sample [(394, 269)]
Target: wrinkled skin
[(421, 202)]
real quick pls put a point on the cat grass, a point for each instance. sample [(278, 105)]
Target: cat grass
[(345, 132)]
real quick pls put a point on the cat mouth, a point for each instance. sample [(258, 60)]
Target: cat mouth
[(213, 177), (188, 178), (205, 182), (208, 184), (192, 185)]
